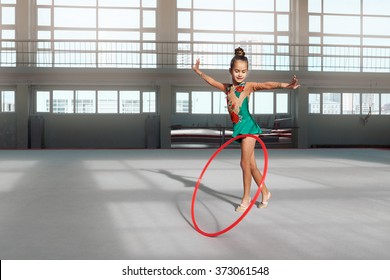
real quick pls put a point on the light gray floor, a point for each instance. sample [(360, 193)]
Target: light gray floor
[(135, 204)]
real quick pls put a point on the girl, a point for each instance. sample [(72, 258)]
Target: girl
[(237, 95)]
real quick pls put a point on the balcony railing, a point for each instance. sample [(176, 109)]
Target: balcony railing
[(181, 55)]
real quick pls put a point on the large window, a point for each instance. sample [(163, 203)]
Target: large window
[(355, 33), (102, 33), (207, 102), (334, 103), (95, 101), (7, 33), (216, 27)]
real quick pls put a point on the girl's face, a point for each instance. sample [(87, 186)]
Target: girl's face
[(239, 72)]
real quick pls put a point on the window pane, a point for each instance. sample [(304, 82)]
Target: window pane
[(182, 102), (74, 17), (44, 35), (342, 6), (376, 7), (119, 3), (8, 34), (351, 103), (43, 102), (314, 103), (263, 22), (63, 101), (205, 20), (184, 20), (255, 5), (264, 102), (376, 42), (119, 18), (149, 19), (44, 2), (213, 37), (282, 5), (184, 37), (149, 3), (250, 104), (331, 103), (75, 2), (215, 4), (44, 17), (184, 4), (370, 103), (149, 36), (149, 102), (8, 15), (342, 40), (201, 102), (8, 101), (315, 23), (85, 101), (107, 101), (75, 35), (315, 6), (385, 101), (219, 103), (130, 102), (342, 24), (119, 35), (281, 103), (376, 26), (283, 23)]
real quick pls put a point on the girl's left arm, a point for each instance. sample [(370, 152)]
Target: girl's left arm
[(276, 85)]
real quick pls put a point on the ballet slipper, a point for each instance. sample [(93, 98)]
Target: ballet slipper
[(264, 204), (242, 207)]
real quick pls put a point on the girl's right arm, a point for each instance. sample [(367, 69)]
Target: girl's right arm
[(208, 79)]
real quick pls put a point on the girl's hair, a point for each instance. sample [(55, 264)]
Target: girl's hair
[(239, 54)]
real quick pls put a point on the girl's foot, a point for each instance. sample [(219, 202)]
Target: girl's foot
[(242, 207), (264, 203)]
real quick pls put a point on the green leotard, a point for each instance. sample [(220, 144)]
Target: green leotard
[(243, 122)]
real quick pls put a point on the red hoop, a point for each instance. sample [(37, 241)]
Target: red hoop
[(214, 234)]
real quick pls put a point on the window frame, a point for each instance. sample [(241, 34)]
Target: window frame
[(212, 93), (350, 51), (363, 109), (117, 92), (13, 105), (265, 57), (136, 46), (8, 48)]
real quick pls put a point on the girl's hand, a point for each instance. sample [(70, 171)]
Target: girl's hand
[(195, 67), (294, 83)]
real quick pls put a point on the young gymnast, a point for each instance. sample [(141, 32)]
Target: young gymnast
[(237, 95)]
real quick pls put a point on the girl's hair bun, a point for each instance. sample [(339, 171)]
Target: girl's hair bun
[(239, 52), (239, 55)]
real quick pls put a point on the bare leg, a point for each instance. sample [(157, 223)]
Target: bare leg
[(257, 176), (250, 170)]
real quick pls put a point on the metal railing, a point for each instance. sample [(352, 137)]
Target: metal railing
[(181, 55)]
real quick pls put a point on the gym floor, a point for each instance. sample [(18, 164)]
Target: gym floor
[(135, 204)]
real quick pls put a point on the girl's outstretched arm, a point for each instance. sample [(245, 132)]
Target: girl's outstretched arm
[(208, 79), (276, 85)]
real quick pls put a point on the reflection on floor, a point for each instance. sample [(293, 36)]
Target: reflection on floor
[(135, 204)]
